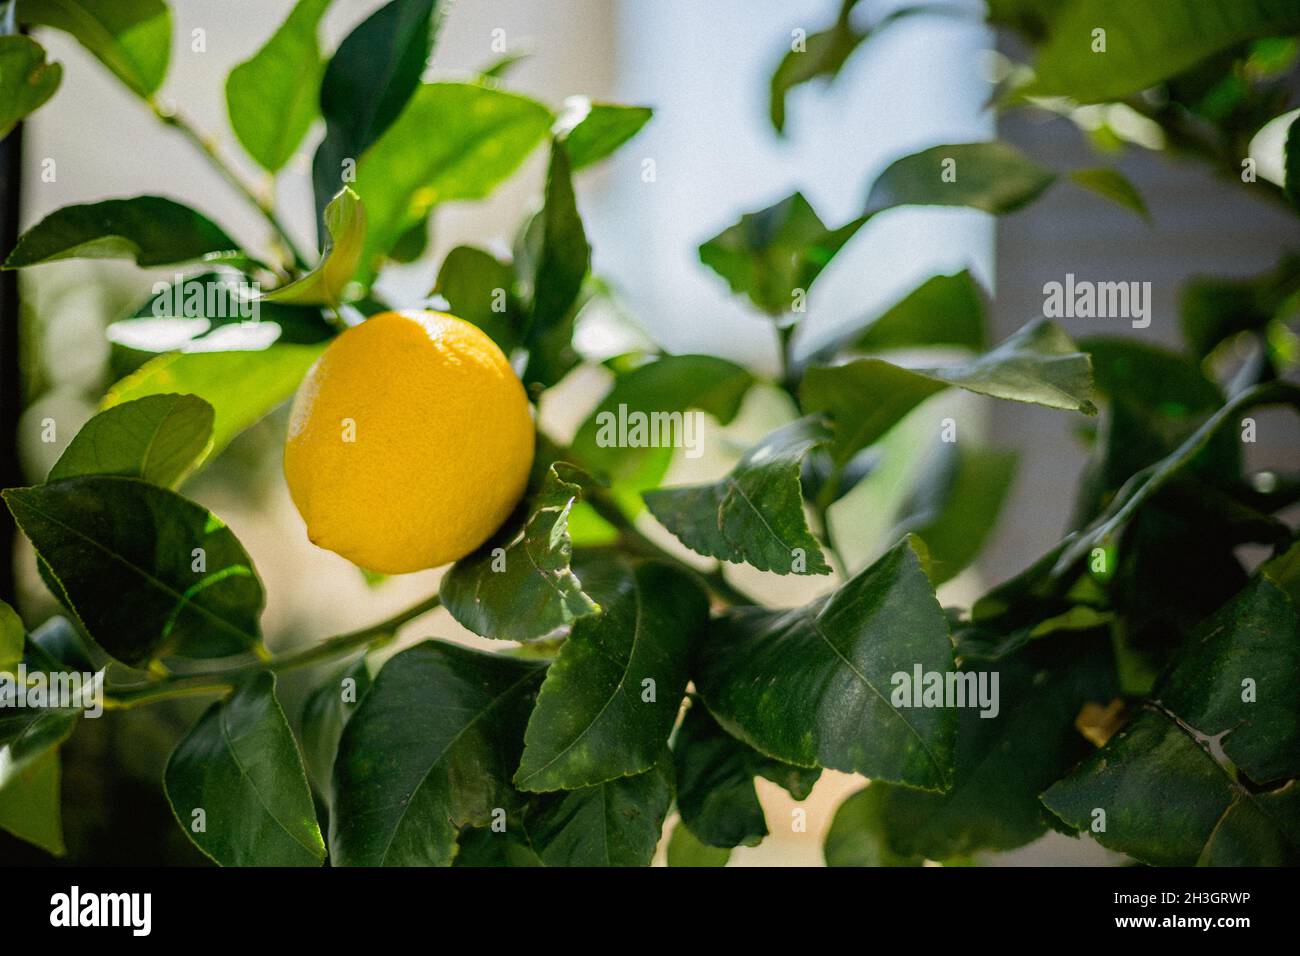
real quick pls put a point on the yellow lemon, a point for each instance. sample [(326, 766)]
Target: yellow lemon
[(410, 442)]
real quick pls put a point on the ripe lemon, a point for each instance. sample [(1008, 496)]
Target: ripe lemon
[(409, 443)]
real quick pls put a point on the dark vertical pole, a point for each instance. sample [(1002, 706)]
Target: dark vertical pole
[(11, 154)]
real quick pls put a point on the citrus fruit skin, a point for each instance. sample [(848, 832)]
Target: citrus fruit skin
[(441, 442)]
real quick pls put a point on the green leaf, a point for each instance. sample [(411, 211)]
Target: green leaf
[(943, 311), (1143, 48), (12, 638), (273, 97), (126, 556), (561, 267), (1153, 755), (430, 749), (599, 129), (1284, 571), (345, 224), (1212, 309), (484, 847), (26, 80), (368, 82), (684, 849), (617, 823), (715, 782), (527, 589), (1005, 761), (823, 55), (149, 229), (29, 734), (325, 712), (612, 696), (484, 134), (754, 514), (771, 254), (241, 387), (1225, 712), (766, 675), (30, 804), (236, 784), (670, 385), (1253, 641), (133, 38), (995, 177), (1145, 485), (1115, 186), (956, 504), (478, 288), (867, 397), (858, 835), (158, 438)]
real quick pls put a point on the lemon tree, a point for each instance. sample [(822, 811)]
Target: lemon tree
[(626, 683)]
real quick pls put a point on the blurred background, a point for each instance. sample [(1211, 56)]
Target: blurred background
[(705, 68)]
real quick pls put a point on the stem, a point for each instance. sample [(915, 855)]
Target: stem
[(221, 680), (207, 147)]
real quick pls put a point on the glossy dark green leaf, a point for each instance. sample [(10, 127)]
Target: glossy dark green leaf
[(1257, 830), (133, 38), (516, 590), (943, 311), (479, 288), (1152, 755), (237, 787), (273, 97), (814, 686), (1250, 647), (562, 265), (755, 514), (241, 387), (430, 749), (995, 177), (484, 134), (367, 83), (1115, 186), (955, 505), (30, 804), (685, 849), (345, 225), (858, 835), (715, 782), (1141, 49), (613, 824), (325, 712), (1005, 761), (662, 391), (867, 397), (158, 438), (602, 128), (149, 229), (147, 572), (770, 255), (27, 81), (612, 696)]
